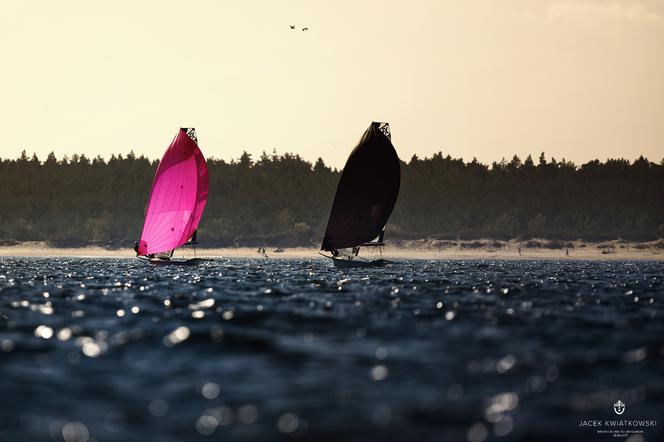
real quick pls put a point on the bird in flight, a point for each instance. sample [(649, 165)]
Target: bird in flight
[(292, 26), (305, 29)]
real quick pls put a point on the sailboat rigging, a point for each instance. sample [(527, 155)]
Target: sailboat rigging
[(366, 195), (177, 201)]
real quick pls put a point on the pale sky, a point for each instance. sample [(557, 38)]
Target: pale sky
[(488, 79)]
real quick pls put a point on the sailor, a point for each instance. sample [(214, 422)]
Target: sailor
[(149, 255)]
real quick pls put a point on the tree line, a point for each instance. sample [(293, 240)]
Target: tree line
[(283, 200)]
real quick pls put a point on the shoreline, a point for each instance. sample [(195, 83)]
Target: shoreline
[(607, 251)]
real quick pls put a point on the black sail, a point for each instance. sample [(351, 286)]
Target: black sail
[(367, 191)]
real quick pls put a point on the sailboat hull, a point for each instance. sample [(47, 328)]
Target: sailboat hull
[(358, 263), (173, 262)]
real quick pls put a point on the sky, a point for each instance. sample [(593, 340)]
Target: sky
[(487, 79)]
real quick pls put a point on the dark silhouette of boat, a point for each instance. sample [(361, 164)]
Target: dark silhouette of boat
[(366, 195)]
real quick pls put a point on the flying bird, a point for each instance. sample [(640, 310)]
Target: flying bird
[(305, 29), (292, 26)]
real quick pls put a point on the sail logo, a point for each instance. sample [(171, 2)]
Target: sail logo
[(619, 407)]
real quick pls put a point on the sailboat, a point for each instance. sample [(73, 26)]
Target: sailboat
[(366, 194), (177, 200)]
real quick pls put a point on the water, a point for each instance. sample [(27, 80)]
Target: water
[(261, 350)]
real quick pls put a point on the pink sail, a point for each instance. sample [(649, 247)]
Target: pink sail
[(178, 197)]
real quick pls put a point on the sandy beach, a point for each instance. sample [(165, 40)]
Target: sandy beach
[(478, 249)]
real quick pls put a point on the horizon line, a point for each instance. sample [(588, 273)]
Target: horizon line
[(504, 161)]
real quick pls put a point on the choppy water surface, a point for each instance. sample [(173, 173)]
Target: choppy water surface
[(260, 350)]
